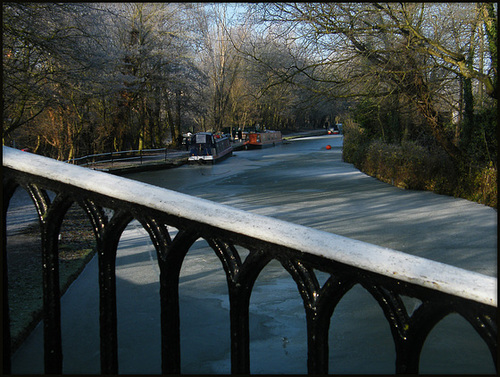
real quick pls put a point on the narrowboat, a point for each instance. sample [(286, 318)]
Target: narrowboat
[(209, 147), (263, 139)]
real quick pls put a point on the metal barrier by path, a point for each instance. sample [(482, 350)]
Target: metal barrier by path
[(388, 275), (112, 157)]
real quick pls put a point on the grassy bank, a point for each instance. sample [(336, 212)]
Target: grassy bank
[(414, 167), (76, 248)]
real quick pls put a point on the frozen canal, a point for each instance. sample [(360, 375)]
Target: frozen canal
[(304, 183)]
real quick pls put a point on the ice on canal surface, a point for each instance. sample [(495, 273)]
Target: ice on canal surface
[(300, 182)]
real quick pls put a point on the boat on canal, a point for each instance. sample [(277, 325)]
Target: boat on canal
[(263, 139), (209, 147)]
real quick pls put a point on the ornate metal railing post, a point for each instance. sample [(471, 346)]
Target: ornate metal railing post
[(170, 257), (318, 323), (107, 290), (50, 223), (411, 336), (50, 216), (240, 286)]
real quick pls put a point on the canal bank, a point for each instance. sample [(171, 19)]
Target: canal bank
[(175, 159)]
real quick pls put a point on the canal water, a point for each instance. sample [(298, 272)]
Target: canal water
[(302, 182)]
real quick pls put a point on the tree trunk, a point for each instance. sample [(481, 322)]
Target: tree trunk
[(431, 115), (468, 119), (177, 135)]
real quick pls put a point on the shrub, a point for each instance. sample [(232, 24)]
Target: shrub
[(486, 182), (355, 143), (382, 160), (480, 185), (412, 166)]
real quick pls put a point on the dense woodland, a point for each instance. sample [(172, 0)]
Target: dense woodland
[(409, 81)]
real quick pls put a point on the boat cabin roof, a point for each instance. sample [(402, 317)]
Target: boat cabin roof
[(206, 138)]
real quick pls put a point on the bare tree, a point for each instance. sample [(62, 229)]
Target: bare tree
[(221, 62), (54, 55), (153, 73), (386, 49), (42, 48)]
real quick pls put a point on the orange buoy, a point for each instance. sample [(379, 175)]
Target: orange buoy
[(328, 147)]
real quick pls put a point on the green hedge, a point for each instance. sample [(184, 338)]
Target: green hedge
[(410, 166), (414, 167)]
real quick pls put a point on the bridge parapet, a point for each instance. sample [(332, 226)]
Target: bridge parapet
[(388, 275)]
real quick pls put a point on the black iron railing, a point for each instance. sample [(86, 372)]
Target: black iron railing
[(142, 156), (386, 274)]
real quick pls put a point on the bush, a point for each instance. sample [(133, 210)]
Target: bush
[(411, 166), (479, 185), (355, 143), (486, 183)]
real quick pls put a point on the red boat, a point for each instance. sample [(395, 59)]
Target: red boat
[(263, 139)]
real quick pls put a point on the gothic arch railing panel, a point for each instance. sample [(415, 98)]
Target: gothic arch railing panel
[(240, 294), (410, 332), (485, 325), (386, 274), (402, 327), (330, 294), (106, 253), (241, 277), (468, 344), (170, 256), (317, 335), (50, 222), (50, 215)]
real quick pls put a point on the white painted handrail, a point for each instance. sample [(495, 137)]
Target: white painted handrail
[(395, 264)]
